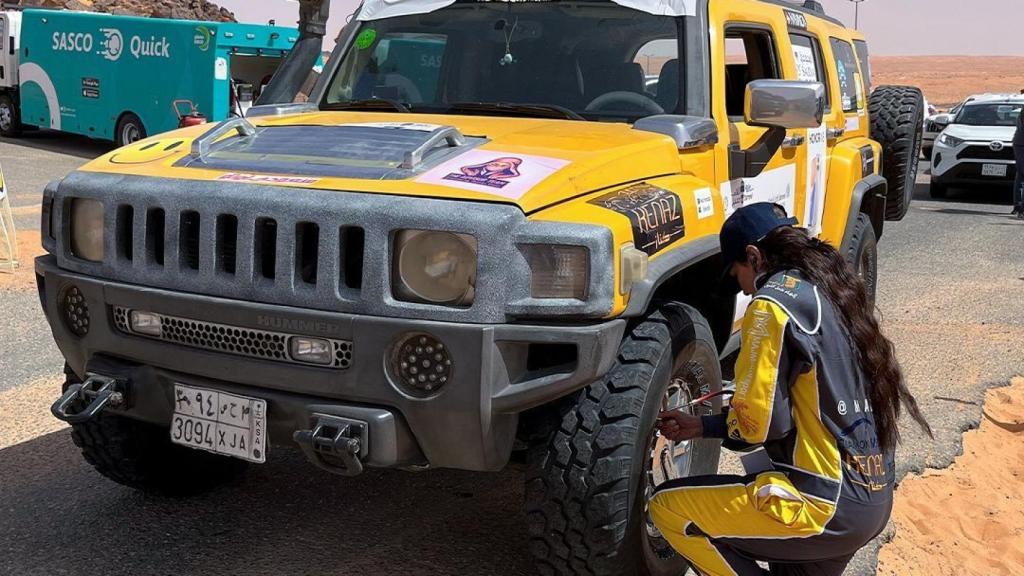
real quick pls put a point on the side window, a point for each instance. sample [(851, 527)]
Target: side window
[(750, 55), (810, 63), (850, 87), (660, 61), (401, 67), (865, 62)]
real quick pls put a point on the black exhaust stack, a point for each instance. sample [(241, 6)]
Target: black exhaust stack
[(294, 71)]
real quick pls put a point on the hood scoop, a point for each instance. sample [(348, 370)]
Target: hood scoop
[(369, 151)]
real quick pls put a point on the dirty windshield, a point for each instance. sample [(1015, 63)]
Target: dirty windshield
[(582, 61)]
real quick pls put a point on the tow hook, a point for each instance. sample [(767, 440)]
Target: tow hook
[(97, 392), (334, 444)]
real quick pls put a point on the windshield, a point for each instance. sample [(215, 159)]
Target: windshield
[(579, 60), (991, 114)]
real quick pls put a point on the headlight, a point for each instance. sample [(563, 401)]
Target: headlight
[(87, 229), (435, 267), (558, 271), (951, 141)]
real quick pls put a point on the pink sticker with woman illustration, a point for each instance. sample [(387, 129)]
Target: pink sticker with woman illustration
[(499, 173)]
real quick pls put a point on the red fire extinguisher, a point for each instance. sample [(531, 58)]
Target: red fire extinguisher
[(188, 114)]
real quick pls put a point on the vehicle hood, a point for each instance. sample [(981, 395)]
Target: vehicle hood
[(532, 163), (981, 133)]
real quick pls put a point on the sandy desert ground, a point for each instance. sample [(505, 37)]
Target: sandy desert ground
[(947, 80), (967, 520)]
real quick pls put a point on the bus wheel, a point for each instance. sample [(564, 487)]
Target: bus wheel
[(10, 118), (129, 130)]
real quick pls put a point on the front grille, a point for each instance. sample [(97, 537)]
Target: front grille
[(986, 153), (230, 339), (260, 244)]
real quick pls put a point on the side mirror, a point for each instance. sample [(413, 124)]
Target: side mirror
[(942, 120), (778, 105), (784, 104)]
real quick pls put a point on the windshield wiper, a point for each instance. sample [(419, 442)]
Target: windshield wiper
[(369, 104), (514, 109)]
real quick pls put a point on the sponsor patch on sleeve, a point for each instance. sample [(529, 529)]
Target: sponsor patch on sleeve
[(655, 213), (266, 179), (492, 172)]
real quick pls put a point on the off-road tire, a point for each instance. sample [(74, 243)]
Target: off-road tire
[(897, 120), (862, 254), (141, 456), (586, 491), (129, 130), (11, 128), (937, 190)]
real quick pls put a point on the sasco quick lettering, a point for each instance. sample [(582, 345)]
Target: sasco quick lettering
[(139, 47), (72, 42)]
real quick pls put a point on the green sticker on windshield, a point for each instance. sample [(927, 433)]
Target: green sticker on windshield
[(366, 38)]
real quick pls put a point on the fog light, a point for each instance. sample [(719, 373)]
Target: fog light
[(146, 323), (75, 311), (311, 350), (422, 364)]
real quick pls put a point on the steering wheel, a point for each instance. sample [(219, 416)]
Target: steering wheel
[(615, 100)]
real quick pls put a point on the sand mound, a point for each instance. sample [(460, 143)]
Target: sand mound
[(968, 519)]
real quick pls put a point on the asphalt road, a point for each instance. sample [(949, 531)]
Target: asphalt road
[(952, 276)]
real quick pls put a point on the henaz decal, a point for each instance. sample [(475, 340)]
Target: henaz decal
[(656, 215)]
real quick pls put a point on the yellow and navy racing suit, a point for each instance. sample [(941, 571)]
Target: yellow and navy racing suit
[(801, 395)]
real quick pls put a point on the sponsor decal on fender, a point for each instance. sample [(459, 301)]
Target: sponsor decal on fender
[(655, 213), (264, 179)]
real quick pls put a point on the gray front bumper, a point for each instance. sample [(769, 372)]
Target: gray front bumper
[(470, 424)]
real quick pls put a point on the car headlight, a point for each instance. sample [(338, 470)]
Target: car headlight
[(558, 271), (951, 141), (87, 229), (435, 267)]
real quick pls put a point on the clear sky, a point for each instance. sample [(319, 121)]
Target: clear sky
[(893, 27)]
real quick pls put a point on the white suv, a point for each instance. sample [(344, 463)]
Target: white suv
[(977, 146)]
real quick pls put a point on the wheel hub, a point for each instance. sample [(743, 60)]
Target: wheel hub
[(5, 117), (667, 461)]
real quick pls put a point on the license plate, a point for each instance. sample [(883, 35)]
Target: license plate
[(219, 422), (993, 169)]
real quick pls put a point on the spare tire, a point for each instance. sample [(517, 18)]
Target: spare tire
[(897, 120)]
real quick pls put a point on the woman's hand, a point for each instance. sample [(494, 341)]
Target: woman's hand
[(678, 427)]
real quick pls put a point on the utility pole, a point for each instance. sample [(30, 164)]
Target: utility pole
[(856, 13)]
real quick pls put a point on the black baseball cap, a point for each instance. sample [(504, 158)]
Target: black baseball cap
[(746, 227)]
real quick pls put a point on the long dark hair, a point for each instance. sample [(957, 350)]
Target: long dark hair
[(793, 249)]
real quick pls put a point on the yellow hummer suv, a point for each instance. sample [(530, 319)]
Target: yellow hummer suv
[(489, 232)]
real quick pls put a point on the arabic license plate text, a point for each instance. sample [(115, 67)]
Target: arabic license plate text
[(993, 170), (220, 422)]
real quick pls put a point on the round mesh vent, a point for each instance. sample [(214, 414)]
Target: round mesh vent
[(422, 364), (75, 311)]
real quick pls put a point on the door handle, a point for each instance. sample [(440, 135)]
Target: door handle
[(793, 142), (834, 133)]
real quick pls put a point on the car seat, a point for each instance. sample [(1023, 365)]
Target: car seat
[(625, 77)]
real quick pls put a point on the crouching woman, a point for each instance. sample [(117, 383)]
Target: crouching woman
[(818, 387)]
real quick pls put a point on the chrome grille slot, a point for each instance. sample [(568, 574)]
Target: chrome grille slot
[(228, 339)]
